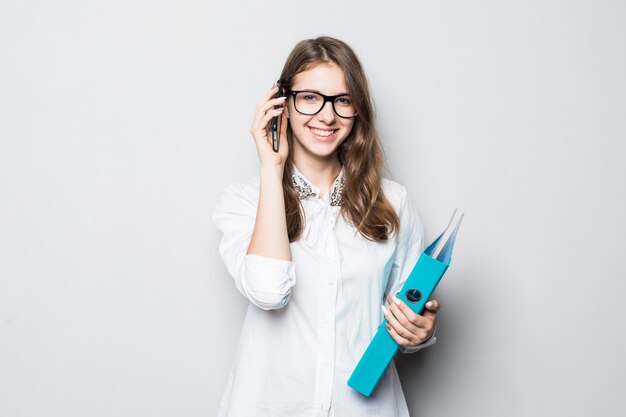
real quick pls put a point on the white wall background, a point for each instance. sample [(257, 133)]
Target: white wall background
[(122, 121)]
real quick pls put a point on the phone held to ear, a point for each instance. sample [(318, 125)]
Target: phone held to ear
[(276, 121)]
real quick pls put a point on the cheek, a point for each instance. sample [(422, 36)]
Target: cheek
[(349, 127), (297, 120)]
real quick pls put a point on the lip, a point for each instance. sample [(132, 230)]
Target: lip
[(323, 138)]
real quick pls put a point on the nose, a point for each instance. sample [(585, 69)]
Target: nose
[(327, 114)]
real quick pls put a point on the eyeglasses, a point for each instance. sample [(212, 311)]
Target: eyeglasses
[(311, 102)]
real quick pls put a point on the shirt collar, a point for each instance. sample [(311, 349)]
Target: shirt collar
[(306, 188)]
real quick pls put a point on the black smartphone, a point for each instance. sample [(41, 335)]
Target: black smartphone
[(276, 121)]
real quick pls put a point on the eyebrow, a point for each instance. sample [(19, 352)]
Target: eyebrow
[(309, 90)]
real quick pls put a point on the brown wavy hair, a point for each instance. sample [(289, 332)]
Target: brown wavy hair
[(364, 204)]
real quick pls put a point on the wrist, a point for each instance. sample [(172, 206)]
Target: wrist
[(272, 171)]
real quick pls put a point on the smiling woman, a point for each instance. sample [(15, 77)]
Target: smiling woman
[(317, 242)]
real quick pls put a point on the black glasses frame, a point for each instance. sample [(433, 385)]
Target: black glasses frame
[(325, 97)]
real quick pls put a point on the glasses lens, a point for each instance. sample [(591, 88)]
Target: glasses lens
[(344, 106), (310, 103)]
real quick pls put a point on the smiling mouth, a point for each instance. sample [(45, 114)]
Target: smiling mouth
[(321, 133)]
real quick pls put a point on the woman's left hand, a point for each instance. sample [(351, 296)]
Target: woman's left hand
[(408, 328)]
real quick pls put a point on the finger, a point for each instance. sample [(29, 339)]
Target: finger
[(421, 326), (278, 101), (397, 326), (269, 119), (268, 95), (404, 313), (263, 110), (432, 307), (260, 129), (399, 339), (275, 102), (400, 316)]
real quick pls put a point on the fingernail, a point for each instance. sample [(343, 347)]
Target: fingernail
[(429, 304), (396, 299), (388, 326), (389, 299), (385, 311)]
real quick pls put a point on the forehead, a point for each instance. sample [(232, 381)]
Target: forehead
[(326, 78)]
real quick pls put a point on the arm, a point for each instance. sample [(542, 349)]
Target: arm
[(270, 237), (265, 281), (255, 244)]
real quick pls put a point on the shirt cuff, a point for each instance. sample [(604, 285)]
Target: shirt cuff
[(268, 281)]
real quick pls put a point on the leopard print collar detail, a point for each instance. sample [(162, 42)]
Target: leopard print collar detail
[(306, 189)]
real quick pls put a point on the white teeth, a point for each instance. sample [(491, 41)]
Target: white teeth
[(322, 132)]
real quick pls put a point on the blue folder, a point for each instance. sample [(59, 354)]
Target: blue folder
[(415, 292)]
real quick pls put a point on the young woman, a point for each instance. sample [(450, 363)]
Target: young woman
[(318, 242)]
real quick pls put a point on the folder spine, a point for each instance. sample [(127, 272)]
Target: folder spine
[(421, 283)]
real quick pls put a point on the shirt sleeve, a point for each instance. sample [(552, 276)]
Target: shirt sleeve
[(408, 250), (266, 282)]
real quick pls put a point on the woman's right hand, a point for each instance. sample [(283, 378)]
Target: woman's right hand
[(261, 131)]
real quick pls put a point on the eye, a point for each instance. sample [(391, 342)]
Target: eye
[(344, 101), (309, 97)]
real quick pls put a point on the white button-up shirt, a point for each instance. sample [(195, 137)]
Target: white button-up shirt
[(310, 319)]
